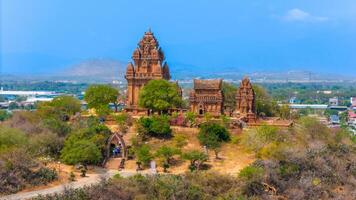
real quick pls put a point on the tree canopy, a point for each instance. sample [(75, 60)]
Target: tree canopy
[(264, 104), (81, 151), (212, 135), (156, 126), (229, 91), (60, 108), (99, 97), (160, 96)]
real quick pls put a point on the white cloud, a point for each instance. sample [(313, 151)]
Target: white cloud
[(300, 15)]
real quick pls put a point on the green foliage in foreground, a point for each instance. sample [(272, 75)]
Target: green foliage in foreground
[(19, 170), (191, 186)]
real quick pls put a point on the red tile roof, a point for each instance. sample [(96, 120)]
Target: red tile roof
[(352, 114)]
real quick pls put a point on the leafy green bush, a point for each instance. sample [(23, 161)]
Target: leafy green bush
[(212, 135), (60, 108), (167, 152), (11, 138), (257, 138), (57, 126), (155, 126), (43, 176), (196, 158), (180, 140), (4, 115), (251, 173), (190, 118), (87, 145), (143, 154), (124, 120), (81, 151), (46, 144)]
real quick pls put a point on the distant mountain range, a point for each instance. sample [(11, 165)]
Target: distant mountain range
[(108, 70), (96, 69)]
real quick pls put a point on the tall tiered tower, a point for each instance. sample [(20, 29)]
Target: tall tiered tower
[(147, 65), (245, 101)]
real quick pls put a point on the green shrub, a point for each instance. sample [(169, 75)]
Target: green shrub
[(143, 154), (167, 153), (196, 158), (4, 115), (156, 126), (180, 140), (81, 151), (256, 138), (251, 173), (43, 176), (212, 135), (11, 138), (288, 169)]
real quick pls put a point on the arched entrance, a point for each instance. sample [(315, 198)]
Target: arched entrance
[(115, 140)]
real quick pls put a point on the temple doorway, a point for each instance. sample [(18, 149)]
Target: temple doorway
[(201, 110)]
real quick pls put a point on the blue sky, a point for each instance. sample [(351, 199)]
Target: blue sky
[(41, 36)]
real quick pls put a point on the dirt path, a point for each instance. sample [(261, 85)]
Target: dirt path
[(89, 180)]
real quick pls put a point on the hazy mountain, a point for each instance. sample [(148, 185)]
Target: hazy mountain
[(108, 70), (97, 69)]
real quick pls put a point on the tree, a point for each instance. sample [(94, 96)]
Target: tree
[(167, 153), (160, 96), (124, 120), (229, 92), (156, 126), (13, 106), (143, 155), (57, 126), (4, 115), (20, 99), (264, 104), (180, 140), (191, 117), (196, 158), (212, 135), (82, 151), (11, 138), (92, 136), (99, 97), (60, 108), (329, 112), (284, 112)]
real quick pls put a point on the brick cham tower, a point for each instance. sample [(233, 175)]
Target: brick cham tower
[(148, 64)]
